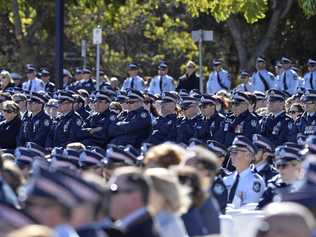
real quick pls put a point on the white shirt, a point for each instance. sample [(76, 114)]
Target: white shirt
[(249, 189), (160, 84), (218, 81), (34, 85)]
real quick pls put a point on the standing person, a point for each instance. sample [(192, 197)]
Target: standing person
[(262, 80), (310, 76), (134, 81), (246, 84), (10, 126), (219, 79), (288, 80), (244, 186), (49, 87), (189, 81), (162, 82), (38, 125), (33, 84)]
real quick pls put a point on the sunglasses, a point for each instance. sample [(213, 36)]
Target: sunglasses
[(8, 111), (293, 111), (131, 102), (285, 165)]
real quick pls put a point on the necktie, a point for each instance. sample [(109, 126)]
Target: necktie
[(30, 85), (132, 83), (160, 84), (311, 80), (233, 190), (284, 82)]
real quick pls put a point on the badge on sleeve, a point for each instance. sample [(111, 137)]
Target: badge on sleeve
[(46, 122), (256, 186), (79, 122), (143, 115), (169, 122), (218, 189)]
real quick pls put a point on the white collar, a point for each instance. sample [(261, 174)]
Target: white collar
[(126, 221)]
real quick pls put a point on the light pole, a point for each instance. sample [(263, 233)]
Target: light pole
[(97, 40)]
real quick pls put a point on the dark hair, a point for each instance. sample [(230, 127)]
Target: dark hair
[(189, 177), (299, 107)]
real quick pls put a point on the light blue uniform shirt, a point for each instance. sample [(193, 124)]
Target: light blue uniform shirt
[(244, 87), (250, 187), (310, 81), (218, 81), (135, 82), (160, 84), (34, 85), (262, 77), (288, 81)]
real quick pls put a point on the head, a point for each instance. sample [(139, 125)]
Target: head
[(134, 104), (132, 70), (260, 64), (45, 77), (311, 67), (244, 77), (164, 155), (167, 193), (162, 69), (101, 105), (10, 110), (242, 153), (5, 79), (35, 106), (130, 190), (190, 110), (51, 108), (65, 106), (167, 107), (286, 63), (290, 170), (239, 107), (21, 100), (296, 110), (190, 67), (275, 106), (208, 106), (114, 82), (217, 65), (286, 219)]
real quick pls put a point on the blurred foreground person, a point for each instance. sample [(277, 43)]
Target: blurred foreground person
[(33, 231)]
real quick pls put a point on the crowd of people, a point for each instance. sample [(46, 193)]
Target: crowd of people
[(157, 157)]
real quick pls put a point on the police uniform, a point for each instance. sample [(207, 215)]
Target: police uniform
[(160, 84), (278, 128), (165, 128), (35, 84), (36, 127), (185, 127), (306, 124), (218, 80), (288, 80), (220, 193), (49, 87), (310, 77), (210, 128), (135, 82), (67, 127), (263, 80), (264, 168), (245, 124), (276, 187), (134, 128), (98, 120)]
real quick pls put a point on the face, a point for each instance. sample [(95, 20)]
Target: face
[(86, 76), (259, 156), (289, 171), (125, 106), (34, 107), (218, 67), (30, 75), (167, 108), (294, 113), (46, 211), (125, 199), (310, 106), (191, 111), (244, 78), (66, 80), (64, 106), (207, 109), (8, 114), (45, 78), (3, 81), (260, 65), (312, 68), (286, 66), (190, 69), (114, 83), (101, 105), (134, 104), (132, 73), (162, 71), (238, 107), (274, 106), (240, 158)]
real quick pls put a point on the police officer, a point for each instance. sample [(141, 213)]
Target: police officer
[(162, 82), (288, 80), (263, 164), (306, 124), (219, 79), (68, 125), (122, 98), (86, 82), (262, 80), (165, 128), (185, 127), (288, 164), (244, 186), (38, 125), (134, 81), (79, 106), (136, 126), (310, 77), (95, 132), (210, 127), (49, 87), (278, 127), (246, 84), (242, 122), (33, 84)]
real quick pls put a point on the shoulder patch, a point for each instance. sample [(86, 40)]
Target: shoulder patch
[(256, 187), (169, 122), (79, 122), (218, 189), (46, 122), (143, 115)]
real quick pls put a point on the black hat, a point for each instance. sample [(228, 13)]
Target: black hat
[(39, 150), (243, 141), (285, 154), (285, 60), (91, 157), (239, 97), (102, 95), (197, 142), (37, 97), (169, 97), (44, 72), (66, 73), (244, 73), (187, 101), (217, 147), (259, 95), (162, 65), (65, 95), (262, 142), (208, 99), (61, 159), (132, 66), (122, 96), (24, 156), (275, 95), (216, 62), (117, 155), (311, 62), (86, 70), (135, 94), (309, 95), (30, 68), (78, 70), (260, 59)]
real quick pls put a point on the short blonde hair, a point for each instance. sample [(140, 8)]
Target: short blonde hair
[(33, 231), (6, 75), (166, 183), (12, 106)]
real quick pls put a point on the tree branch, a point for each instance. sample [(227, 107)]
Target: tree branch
[(17, 21)]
